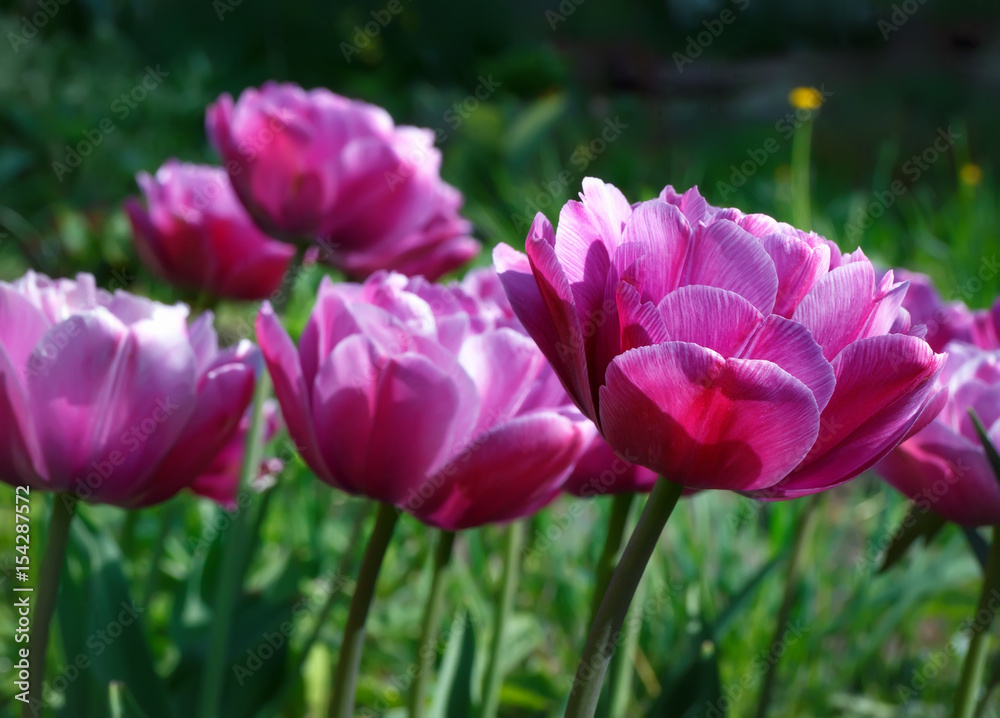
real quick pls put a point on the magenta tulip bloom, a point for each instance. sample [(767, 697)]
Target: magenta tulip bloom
[(601, 471), (944, 467), (195, 233), (417, 395), (113, 398), (318, 165), (725, 351)]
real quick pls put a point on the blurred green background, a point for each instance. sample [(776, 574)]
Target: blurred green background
[(529, 97)]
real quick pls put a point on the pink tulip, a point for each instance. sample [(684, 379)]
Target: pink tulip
[(418, 395), (220, 481), (722, 350), (318, 165), (196, 234), (944, 322), (944, 467), (113, 398)]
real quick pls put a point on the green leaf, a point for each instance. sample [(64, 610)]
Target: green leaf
[(453, 693), (102, 630), (918, 522), (529, 129)]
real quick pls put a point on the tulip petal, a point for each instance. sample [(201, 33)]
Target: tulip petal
[(658, 237), (417, 400), (845, 306), (21, 460), (565, 355), (710, 317), (883, 386), (641, 323), (290, 388), (223, 396), (799, 267), (590, 231), (343, 401), (112, 408), (601, 471), (792, 347), (504, 366), (510, 472), (725, 256), (22, 327), (705, 421), (947, 472)]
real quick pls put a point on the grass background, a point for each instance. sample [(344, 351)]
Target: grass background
[(870, 645)]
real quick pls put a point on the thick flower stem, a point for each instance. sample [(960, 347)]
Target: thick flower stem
[(787, 601), (346, 678), (620, 506), (432, 623), (606, 629), (63, 509), (979, 635), (511, 568), (231, 571), (622, 666)]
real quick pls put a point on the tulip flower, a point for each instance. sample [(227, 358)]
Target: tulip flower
[(195, 233), (944, 467), (418, 396), (112, 397), (411, 394), (723, 350), (109, 398), (316, 165)]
